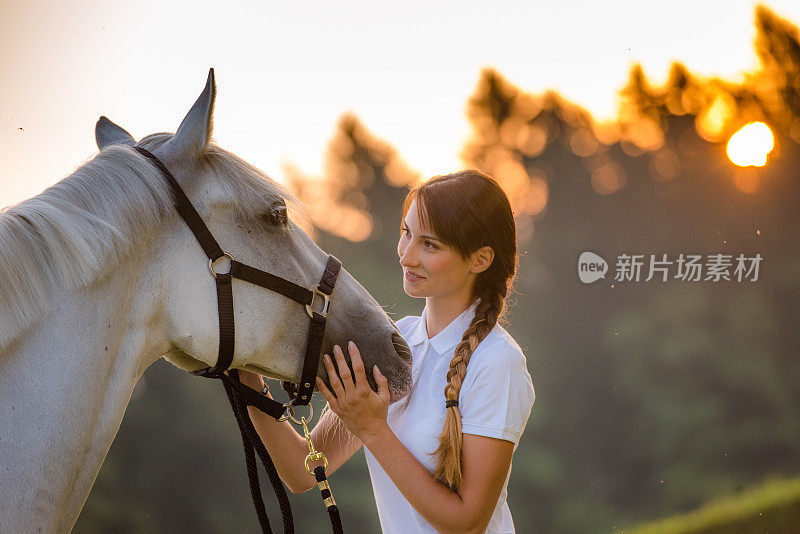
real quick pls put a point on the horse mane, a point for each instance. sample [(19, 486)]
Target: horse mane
[(69, 235)]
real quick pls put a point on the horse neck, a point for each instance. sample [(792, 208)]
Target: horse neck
[(64, 387)]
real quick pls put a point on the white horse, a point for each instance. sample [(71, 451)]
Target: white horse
[(100, 278)]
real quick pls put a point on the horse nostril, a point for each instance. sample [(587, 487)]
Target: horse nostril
[(401, 347)]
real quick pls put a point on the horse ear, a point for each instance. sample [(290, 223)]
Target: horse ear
[(107, 133), (194, 133)]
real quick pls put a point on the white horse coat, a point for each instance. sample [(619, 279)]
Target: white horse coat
[(100, 278)]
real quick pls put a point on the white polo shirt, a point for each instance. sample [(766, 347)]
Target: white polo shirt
[(495, 401)]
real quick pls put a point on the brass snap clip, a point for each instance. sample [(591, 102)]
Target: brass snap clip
[(313, 454)]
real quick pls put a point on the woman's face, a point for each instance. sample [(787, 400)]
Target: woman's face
[(430, 268)]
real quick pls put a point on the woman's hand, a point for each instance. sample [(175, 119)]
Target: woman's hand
[(362, 411)]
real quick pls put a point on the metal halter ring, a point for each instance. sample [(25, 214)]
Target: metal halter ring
[(290, 414), (211, 263), (326, 302)]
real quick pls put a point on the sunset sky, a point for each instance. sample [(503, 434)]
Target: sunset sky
[(287, 71)]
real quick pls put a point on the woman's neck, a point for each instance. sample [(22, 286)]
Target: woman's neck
[(440, 311)]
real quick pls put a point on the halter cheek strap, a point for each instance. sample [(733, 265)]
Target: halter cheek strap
[(300, 394), (239, 395)]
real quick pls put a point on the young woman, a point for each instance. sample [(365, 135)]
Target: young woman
[(440, 458)]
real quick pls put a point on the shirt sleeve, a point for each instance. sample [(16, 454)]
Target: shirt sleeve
[(497, 395)]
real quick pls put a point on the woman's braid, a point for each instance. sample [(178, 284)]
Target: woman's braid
[(449, 453)]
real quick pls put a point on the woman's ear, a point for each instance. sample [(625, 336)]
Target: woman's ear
[(481, 259)]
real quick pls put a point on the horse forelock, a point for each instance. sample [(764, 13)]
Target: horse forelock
[(250, 188)]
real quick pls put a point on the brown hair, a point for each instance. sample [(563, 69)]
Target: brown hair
[(468, 210)]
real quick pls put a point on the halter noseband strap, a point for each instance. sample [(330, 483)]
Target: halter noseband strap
[(301, 394)]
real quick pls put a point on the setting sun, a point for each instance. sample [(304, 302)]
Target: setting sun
[(751, 145)]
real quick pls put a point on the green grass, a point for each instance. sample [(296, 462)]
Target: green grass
[(771, 508)]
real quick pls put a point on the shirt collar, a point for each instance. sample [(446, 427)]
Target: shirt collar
[(449, 336)]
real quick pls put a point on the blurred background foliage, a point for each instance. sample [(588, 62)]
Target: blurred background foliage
[(652, 397)]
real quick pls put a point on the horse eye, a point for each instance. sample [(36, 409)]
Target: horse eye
[(277, 215)]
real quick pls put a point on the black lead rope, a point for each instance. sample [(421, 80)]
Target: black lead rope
[(251, 443), (241, 396), (327, 497)]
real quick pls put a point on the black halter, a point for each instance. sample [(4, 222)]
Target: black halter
[(299, 394), (300, 294)]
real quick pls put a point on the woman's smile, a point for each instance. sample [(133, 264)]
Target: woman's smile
[(412, 277)]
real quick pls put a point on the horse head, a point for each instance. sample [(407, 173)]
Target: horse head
[(252, 217)]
